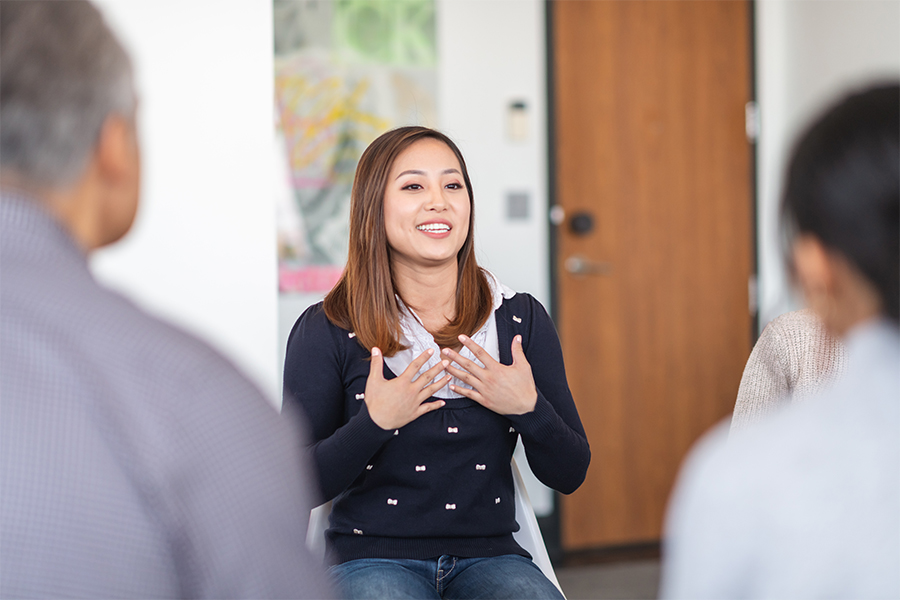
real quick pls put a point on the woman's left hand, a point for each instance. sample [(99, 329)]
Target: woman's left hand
[(506, 390)]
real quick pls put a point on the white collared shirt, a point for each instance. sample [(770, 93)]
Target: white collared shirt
[(416, 337)]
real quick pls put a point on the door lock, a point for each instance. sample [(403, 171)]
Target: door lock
[(581, 223)]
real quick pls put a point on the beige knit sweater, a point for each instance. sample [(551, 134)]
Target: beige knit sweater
[(794, 359)]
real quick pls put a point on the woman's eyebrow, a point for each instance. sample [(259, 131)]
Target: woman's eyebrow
[(418, 172)]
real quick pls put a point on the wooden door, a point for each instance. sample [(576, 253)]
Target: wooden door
[(652, 284)]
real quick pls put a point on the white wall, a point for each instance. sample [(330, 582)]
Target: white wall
[(202, 252), (492, 53), (808, 54)]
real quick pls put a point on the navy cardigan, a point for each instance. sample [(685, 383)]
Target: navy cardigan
[(442, 484)]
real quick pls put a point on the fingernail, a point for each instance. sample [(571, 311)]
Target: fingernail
[(453, 387), (519, 338), (430, 351), (443, 403), (462, 338), (375, 351), (446, 351), (445, 363)]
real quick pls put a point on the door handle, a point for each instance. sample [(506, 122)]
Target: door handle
[(579, 265)]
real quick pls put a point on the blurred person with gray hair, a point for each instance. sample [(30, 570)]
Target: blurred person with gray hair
[(806, 504), (136, 461)]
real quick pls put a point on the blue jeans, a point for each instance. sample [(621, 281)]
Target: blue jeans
[(446, 578)]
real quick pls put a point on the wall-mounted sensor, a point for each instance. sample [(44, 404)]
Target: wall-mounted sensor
[(517, 121), (517, 206)]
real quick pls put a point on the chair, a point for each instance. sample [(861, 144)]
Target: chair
[(529, 534)]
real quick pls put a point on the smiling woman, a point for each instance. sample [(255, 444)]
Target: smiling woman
[(400, 174), (418, 373)]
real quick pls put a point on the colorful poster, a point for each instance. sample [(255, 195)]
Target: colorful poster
[(345, 72)]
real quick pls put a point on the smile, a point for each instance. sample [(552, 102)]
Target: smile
[(434, 227)]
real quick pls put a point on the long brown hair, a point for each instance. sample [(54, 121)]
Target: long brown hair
[(365, 299)]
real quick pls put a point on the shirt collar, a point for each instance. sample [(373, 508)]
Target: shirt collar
[(30, 228), (411, 325)]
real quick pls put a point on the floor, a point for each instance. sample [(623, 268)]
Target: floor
[(630, 580)]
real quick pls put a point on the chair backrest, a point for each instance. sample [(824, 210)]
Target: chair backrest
[(529, 534), (315, 535)]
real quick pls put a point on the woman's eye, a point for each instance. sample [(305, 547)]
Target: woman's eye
[(454, 186), (412, 186)]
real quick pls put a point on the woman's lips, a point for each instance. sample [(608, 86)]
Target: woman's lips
[(436, 229)]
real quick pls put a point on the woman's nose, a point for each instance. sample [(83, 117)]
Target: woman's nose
[(436, 200)]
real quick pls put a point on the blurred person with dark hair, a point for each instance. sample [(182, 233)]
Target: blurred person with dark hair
[(136, 462), (807, 504)]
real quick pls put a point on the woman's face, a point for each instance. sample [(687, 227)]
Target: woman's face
[(426, 205)]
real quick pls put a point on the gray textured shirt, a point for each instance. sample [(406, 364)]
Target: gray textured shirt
[(803, 505), (134, 460)]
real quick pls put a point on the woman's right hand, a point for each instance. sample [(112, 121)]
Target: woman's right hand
[(396, 402)]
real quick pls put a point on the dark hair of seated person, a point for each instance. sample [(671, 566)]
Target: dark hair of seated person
[(843, 187)]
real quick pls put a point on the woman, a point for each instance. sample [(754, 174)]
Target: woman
[(807, 504), (418, 374)]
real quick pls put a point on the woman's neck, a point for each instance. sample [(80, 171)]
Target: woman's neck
[(429, 291)]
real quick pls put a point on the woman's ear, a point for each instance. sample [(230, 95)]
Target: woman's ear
[(813, 266), (838, 293), (815, 274)]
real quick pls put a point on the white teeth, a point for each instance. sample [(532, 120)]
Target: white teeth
[(436, 227)]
